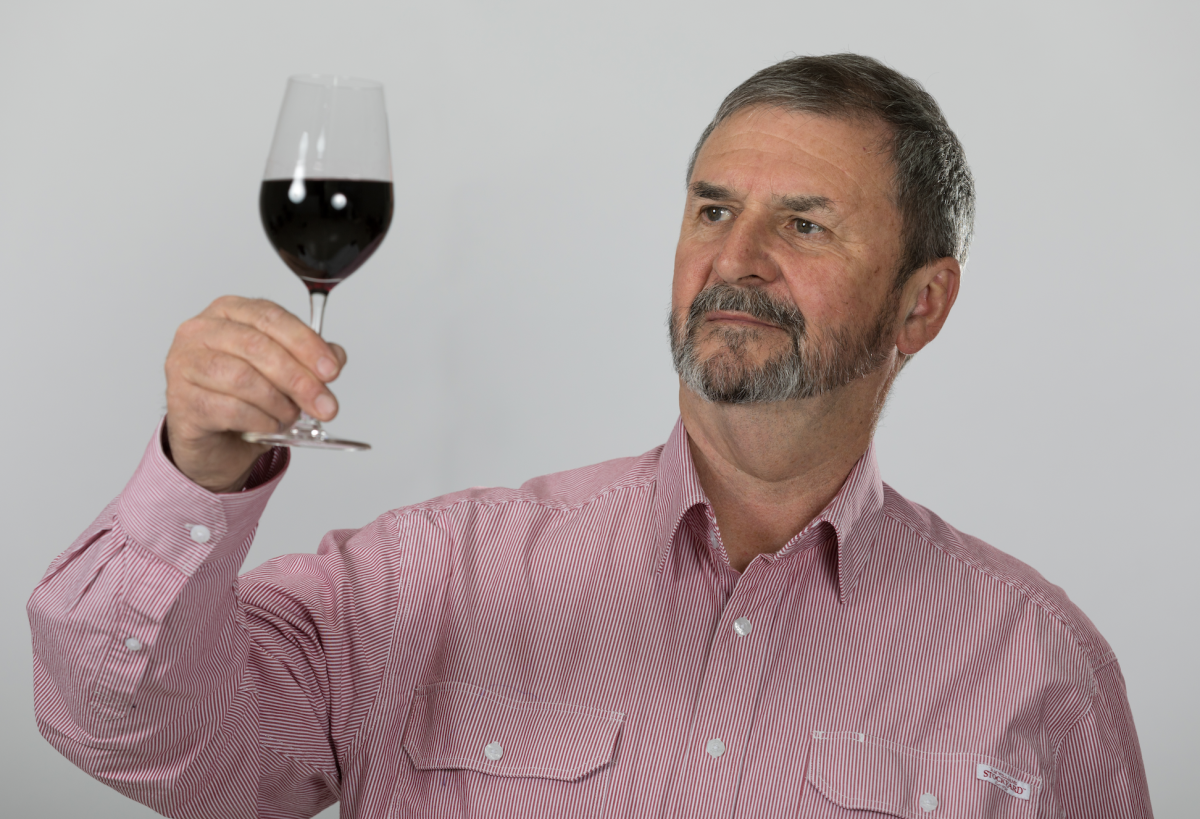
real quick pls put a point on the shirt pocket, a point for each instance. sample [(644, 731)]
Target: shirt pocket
[(531, 753), (860, 772)]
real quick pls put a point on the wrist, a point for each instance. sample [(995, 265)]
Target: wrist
[(204, 466)]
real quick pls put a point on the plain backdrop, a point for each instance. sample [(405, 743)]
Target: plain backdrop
[(513, 322)]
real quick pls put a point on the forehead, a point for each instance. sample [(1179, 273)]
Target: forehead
[(770, 152)]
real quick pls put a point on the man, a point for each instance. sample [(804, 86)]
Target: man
[(743, 622)]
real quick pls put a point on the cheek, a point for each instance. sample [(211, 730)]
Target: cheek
[(827, 296), (692, 272)]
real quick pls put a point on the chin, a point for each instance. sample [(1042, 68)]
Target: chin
[(750, 350)]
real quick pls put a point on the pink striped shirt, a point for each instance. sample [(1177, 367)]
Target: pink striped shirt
[(576, 647)]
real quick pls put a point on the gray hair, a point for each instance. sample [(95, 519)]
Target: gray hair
[(934, 191)]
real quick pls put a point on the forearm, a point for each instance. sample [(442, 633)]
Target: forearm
[(140, 655)]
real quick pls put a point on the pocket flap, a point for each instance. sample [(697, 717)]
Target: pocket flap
[(860, 772), (458, 725)]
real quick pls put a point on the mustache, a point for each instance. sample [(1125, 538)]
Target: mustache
[(749, 300)]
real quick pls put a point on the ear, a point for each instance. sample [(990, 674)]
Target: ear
[(927, 298)]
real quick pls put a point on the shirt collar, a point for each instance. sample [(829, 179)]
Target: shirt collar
[(855, 514)]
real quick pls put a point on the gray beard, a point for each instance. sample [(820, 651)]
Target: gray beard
[(804, 370)]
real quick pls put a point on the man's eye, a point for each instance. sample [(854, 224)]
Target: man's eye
[(715, 214), (807, 227)]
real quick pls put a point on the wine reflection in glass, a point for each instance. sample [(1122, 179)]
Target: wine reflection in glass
[(326, 200)]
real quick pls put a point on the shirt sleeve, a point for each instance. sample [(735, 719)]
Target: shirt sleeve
[(1100, 771), (195, 692)]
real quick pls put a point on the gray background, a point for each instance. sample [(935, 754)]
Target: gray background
[(512, 323)]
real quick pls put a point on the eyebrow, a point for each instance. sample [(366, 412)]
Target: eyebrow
[(800, 204), (707, 190), (807, 204)]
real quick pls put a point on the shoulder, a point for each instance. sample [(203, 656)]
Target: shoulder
[(925, 530), (555, 492)]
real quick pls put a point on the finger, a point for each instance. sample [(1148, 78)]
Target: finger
[(215, 372), (340, 352), (275, 363), (197, 412), (237, 415), (284, 328)]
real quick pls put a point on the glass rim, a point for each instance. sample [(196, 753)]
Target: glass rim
[(337, 81)]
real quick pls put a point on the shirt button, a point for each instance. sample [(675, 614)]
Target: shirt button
[(928, 802), (715, 748), (742, 626), (200, 533), (493, 751), (133, 644)]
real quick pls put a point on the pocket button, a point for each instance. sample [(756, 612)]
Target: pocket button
[(928, 802), (493, 751)]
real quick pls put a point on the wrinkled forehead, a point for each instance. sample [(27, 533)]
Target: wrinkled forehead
[(851, 151)]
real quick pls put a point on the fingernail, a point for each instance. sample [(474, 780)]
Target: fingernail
[(325, 406), (326, 367)]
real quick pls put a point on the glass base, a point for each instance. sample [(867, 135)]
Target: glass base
[(309, 437)]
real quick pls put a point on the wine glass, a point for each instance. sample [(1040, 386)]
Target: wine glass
[(326, 200)]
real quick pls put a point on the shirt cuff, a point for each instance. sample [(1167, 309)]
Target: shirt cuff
[(182, 522)]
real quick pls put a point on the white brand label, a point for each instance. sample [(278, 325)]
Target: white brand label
[(1002, 780)]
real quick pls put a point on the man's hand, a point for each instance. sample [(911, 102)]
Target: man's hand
[(243, 365)]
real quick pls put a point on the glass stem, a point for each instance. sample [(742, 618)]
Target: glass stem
[(316, 299)]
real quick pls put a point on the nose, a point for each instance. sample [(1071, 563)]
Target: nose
[(744, 254)]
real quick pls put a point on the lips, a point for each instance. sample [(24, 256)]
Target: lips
[(744, 307), (739, 318)]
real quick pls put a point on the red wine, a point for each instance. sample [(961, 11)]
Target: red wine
[(325, 228)]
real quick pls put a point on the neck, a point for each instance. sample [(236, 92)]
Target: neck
[(769, 469)]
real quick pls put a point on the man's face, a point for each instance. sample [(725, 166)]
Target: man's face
[(787, 258)]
